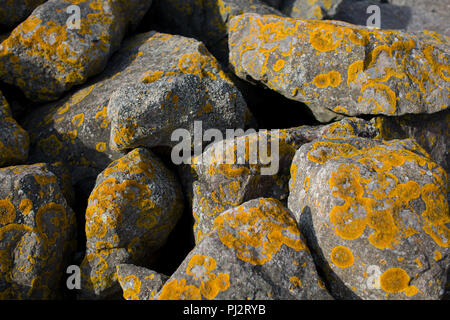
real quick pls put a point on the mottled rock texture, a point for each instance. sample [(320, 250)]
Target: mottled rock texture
[(45, 57), (375, 215), (340, 69), (254, 251), (139, 283), (37, 232), (134, 206)]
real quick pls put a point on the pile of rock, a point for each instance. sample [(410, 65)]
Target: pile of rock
[(352, 206)]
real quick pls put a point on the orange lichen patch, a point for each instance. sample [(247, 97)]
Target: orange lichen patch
[(257, 234), (200, 267), (342, 257), (327, 37), (396, 280), (437, 255), (322, 151), (200, 63), (333, 79), (152, 76), (278, 65), (436, 214), (101, 147), (296, 282), (103, 116), (178, 290), (7, 212), (26, 205), (387, 104), (131, 285), (78, 120)]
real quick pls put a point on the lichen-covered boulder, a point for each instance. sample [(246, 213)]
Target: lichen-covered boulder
[(139, 283), (254, 165), (77, 128), (338, 69), (375, 215), (46, 56), (254, 251), (37, 233), (205, 20), (14, 12), (14, 141), (431, 132), (146, 115), (134, 206)]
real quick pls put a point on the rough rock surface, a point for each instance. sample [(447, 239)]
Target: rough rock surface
[(147, 114), (254, 251), (431, 132), (14, 141), (237, 170), (306, 9), (77, 128), (375, 215), (37, 233), (132, 209), (14, 12), (341, 69), (139, 283), (45, 58), (205, 20)]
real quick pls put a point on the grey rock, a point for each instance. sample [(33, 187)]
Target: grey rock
[(338, 69), (45, 56), (37, 233), (375, 215), (14, 12), (133, 208), (139, 283)]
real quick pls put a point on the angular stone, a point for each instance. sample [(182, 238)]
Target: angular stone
[(227, 177), (146, 115), (431, 132), (205, 20), (375, 215), (14, 141), (14, 12), (37, 233), (139, 283), (45, 56), (340, 69), (131, 211), (254, 251), (77, 128)]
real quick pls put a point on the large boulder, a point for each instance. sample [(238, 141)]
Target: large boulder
[(375, 215), (45, 56), (254, 251), (133, 208), (139, 283), (148, 114), (14, 141), (37, 232), (77, 128), (339, 69)]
